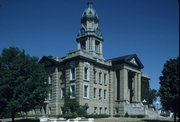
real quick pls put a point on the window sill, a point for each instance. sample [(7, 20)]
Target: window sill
[(86, 98), (86, 80)]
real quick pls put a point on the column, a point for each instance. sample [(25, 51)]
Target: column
[(100, 46), (123, 84), (139, 87), (135, 87)]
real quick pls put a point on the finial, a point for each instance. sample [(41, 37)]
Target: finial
[(90, 4)]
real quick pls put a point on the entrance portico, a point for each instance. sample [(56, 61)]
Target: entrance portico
[(130, 86)]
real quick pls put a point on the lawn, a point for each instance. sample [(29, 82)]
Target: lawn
[(119, 119), (122, 119)]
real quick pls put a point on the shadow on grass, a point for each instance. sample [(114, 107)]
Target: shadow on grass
[(146, 120), (27, 120)]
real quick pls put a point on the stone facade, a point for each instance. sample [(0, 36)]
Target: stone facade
[(108, 86)]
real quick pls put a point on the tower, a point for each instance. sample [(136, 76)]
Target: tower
[(89, 38)]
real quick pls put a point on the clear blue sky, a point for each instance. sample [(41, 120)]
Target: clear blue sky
[(148, 28)]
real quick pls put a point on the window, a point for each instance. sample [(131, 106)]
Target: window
[(50, 95), (50, 79), (62, 77), (86, 73), (100, 78), (94, 93), (100, 110), (94, 76), (73, 73), (83, 45), (50, 84), (105, 78), (62, 93), (105, 110), (100, 96), (95, 110), (105, 92), (72, 90), (97, 47), (86, 91)]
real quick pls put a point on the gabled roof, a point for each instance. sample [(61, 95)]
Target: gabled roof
[(48, 60), (132, 60)]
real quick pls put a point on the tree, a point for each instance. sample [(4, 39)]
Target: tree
[(152, 95), (169, 86), (23, 84), (145, 89), (72, 108)]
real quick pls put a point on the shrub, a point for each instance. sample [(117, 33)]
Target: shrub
[(126, 115), (97, 116), (70, 115), (140, 116), (117, 116)]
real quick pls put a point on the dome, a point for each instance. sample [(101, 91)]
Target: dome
[(89, 13)]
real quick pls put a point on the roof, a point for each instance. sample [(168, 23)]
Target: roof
[(132, 60)]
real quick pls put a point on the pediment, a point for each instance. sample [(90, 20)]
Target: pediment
[(133, 61), (47, 61)]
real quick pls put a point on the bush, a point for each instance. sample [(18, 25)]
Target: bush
[(97, 116), (117, 116), (140, 116), (70, 115), (126, 115)]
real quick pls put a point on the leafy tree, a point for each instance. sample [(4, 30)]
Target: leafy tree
[(72, 106), (23, 84), (152, 95), (145, 90), (169, 86)]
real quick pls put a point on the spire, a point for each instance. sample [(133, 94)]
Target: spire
[(90, 3)]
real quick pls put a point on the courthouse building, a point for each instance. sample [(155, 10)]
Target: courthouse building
[(110, 86)]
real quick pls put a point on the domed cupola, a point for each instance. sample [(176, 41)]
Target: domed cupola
[(89, 37), (89, 13)]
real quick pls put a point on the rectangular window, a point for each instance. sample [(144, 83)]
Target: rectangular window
[(105, 92), (97, 47), (50, 79), (50, 94), (62, 93), (100, 78), (95, 77), (105, 78), (86, 73), (100, 110), (94, 93), (86, 91), (95, 110), (50, 85), (72, 91), (100, 96), (62, 77), (105, 110), (73, 73), (83, 45)]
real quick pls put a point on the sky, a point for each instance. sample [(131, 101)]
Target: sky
[(148, 28)]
